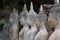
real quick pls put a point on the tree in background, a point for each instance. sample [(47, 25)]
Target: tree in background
[(20, 3)]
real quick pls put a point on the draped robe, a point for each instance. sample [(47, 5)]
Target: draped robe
[(23, 32), (31, 33), (42, 34)]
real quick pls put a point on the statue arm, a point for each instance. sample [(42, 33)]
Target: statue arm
[(21, 32)]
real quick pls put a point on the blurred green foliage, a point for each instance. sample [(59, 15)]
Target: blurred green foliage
[(2, 21)]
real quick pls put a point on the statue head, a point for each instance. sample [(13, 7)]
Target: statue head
[(52, 22), (14, 16), (31, 16), (23, 15)]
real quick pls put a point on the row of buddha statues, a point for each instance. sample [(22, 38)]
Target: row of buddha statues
[(42, 27)]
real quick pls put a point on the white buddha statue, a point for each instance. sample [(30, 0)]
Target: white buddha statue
[(14, 27), (42, 34), (23, 32), (56, 24), (55, 21), (31, 21)]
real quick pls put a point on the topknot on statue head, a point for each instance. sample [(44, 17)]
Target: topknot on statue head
[(56, 7), (56, 1)]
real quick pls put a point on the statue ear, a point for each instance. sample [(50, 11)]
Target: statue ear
[(49, 17), (37, 22), (16, 11)]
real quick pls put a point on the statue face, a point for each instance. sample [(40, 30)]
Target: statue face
[(13, 17), (38, 24), (49, 22), (11, 20), (49, 26)]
